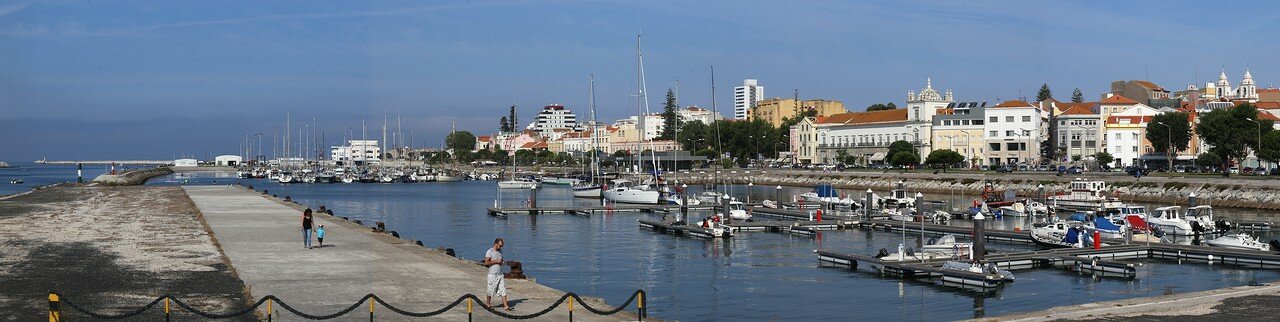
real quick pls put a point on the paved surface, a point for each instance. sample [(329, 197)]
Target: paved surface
[(1243, 303), (110, 250), (262, 237)]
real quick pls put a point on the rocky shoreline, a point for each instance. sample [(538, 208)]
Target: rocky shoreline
[(1240, 193)]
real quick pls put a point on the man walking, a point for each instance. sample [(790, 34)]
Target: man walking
[(496, 286)]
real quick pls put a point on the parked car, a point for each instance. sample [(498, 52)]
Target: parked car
[(1247, 170), (1260, 171), (1005, 169), (1075, 170), (1275, 171), (1234, 170)]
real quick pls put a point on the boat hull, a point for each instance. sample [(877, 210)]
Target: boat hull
[(592, 192), (517, 185), (632, 196)]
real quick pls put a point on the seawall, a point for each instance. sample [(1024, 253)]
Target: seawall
[(1218, 191), (132, 177)]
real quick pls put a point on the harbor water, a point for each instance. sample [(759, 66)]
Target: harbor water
[(33, 175), (753, 276)]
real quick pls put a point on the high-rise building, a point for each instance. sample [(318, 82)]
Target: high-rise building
[(554, 116), (746, 97)]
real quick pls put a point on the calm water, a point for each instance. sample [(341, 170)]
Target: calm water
[(754, 276), (38, 175)]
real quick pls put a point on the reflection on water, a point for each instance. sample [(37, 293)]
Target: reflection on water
[(755, 276)]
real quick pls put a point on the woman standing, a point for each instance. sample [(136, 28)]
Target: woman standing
[(306, 228)]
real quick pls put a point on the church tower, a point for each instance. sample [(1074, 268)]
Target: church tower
[(1224, 86), (1247, 90)]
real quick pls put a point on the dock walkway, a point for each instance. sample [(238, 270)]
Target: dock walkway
[(261, 236)]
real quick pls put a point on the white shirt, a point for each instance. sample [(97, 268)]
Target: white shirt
[(496, 256)]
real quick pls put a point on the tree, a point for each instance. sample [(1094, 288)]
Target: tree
[(670, 121), (512, 121), (900, 146), (1077, 96), (1228, 131), (1206, 160), (1044, 94), (1103, 158), (1159, 133), (881, 107), (460, 140), (503, 125), (944, 158), (693, 135), (1270, 149), (904, 159)]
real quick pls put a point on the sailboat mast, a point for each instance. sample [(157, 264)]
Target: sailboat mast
[(715, 111), (644, 97), (591, 100)]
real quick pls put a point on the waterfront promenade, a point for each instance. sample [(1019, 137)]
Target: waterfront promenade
[(261, 236)]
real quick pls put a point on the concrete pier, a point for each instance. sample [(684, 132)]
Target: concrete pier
[(262, 238)]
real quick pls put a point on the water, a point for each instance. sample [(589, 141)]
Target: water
[(34, 175), (754, 276)]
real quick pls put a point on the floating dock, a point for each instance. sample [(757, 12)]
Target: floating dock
[(1105, 261), (587, 210)]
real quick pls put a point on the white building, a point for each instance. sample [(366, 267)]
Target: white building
[(1014, 131), (552, 117), (1247, 91), (921, 110), (1126, 134), (694, 113), (185, 163), (746, 97), (228, 160), (863, 135), (356, 152), (652, 123)]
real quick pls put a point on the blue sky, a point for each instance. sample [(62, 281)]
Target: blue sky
[(157, 79)]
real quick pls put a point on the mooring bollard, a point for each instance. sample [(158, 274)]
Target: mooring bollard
[(684, 208), (371, 301), (55, 308), (570, 309), (640, 306), (166, 308), (469, 310), (269, 301), (979, 237), (533, 197)]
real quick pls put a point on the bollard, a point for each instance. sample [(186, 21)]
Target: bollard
[(1191, 200), (1097, 240), (684, 204), (79, 172), (533, 197), (468, 310), (371, 301), (777, 195), (979, 237), (640, 306), (866, 205), (166, 308), (55, 308), (570, 309), (1040, 193), (269, 301)]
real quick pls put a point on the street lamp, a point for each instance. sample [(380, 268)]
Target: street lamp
[(968, 148), (1259, 142), (1168, 148)]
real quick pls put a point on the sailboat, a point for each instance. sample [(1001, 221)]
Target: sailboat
[(591, 188), (623, 190), (514, 183)]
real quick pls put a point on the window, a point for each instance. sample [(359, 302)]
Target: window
[(1009, 133), (993, 119), (995, 146), (1012, 146), (1026, 118), (1008, 118), (977, 122), (994, 134)]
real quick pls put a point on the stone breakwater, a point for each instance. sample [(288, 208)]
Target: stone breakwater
[(1225, 192), (133, 177)]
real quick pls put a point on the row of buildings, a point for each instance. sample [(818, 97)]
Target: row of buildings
[(1021, 132), (555, 129)]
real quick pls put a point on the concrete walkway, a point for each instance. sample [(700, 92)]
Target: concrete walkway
[(262, 237)]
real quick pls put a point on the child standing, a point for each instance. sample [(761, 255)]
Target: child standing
[(320, 235)]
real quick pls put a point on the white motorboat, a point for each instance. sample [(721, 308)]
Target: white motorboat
[(1061, 234), (624, 191), (447, 177), (587, 190), (521, 183), (1084, 196), (937, 248), (737, 211), (287, 178), (1171, 220), (1239, 241), (709, 197), (348, 179)]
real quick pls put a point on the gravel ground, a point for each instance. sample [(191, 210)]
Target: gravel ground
[(112, 250)]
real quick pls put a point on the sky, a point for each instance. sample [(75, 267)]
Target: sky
[(109, 80)]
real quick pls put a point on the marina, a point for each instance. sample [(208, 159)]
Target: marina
[(785, 239)]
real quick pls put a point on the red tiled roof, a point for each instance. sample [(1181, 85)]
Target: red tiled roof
[(1078, 109), (1013, 103), (1117, 100), (1148, 85), (1267, 105), (483, 138), (1264, 115), (1269, 90), (885, 116), (1133, 119)]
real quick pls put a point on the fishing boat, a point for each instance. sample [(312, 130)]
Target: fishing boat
[(737, 211), (447, 176), (1239, 241), (625, 191), (1084, 196)]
